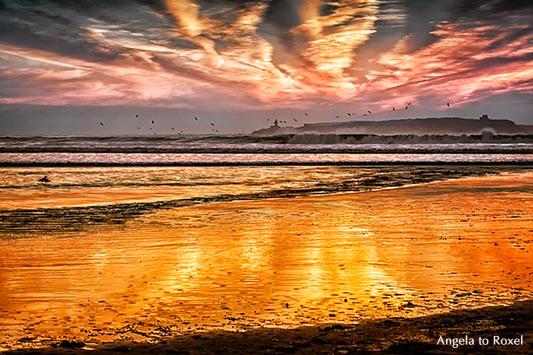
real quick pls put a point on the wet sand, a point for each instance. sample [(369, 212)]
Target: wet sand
[(505, 330), (271, 271)]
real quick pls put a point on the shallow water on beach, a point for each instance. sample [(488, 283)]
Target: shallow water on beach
[(72, 187), (243, 263)]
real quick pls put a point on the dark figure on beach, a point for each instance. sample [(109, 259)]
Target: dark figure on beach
[(44, 179)]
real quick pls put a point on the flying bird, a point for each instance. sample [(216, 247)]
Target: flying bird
[(370, 112), (448, 104), (337, 116), (44, 179), (306, 114), (349, 114), (406, 107), (212, 124), (408, 104), (295, 120), (137, 116), (153, 122), (101, 124), (195, 118), (394, 108)]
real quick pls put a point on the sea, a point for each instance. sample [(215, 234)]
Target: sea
[(137, 174), (246, 150)]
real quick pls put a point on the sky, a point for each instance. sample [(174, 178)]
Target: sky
[(66, 66)]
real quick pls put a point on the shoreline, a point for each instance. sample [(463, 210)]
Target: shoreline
[(16, 219), (384, 336)]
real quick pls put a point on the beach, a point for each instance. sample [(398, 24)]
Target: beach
[(490, 325), (266, 177), (327, 268)]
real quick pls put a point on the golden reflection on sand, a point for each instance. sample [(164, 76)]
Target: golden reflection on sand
[(276, 262)]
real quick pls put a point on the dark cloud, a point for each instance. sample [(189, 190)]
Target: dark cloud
[(74, 44), (328, 8), (485, 64), (478, 8), (512, 5), (280, 17), (61, 26), (283, 14), (390, 27), (512, 36), (422, 18)]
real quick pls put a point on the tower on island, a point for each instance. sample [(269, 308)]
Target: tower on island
[(484, 118)]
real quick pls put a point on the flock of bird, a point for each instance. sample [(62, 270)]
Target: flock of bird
[(214, 128), (151, 128)]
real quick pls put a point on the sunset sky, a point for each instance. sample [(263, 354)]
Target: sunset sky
[(65, 65)]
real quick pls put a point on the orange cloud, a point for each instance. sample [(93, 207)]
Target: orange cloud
[(54, 80), (202, 54), (459, 67)]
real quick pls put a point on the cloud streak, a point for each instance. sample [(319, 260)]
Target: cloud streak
[(262, 54), (465, 64)]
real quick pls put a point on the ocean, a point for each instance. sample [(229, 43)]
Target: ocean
[(247, 150), (138, 175), (142, 174)]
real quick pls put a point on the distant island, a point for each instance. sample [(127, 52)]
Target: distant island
[(454, 126)]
